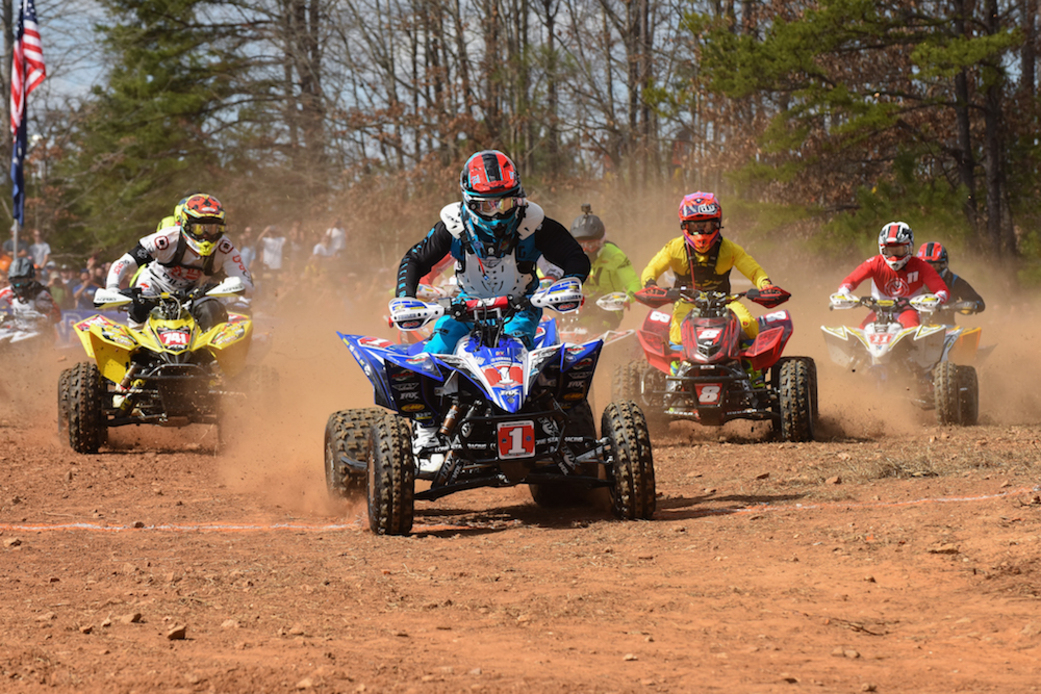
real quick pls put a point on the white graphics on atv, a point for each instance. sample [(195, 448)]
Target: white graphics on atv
[(916, 356)]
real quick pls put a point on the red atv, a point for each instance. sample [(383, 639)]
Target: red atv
[(717, 376)]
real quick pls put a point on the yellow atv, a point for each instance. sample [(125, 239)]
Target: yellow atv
[(173, 371)]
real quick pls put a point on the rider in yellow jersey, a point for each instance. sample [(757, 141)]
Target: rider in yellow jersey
[(701, 258)]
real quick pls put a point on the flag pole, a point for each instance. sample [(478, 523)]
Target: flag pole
[(27, 71)]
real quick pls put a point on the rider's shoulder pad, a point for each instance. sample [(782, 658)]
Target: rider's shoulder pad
[(533, 217), (452, 217)]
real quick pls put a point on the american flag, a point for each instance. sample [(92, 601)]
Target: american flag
[(27, 72)]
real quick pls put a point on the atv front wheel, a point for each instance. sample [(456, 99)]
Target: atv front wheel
[(84, 403), (947, 394), (797, 398), (392, 477), (63, 399), (347, 435), (632, 468), (969, 395)]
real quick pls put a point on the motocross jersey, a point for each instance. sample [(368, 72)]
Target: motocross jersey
[(610, 271), (42, 302), (485, 278), (169, 264), (699, 271), (706, 272), (960, 290), (886, 283)]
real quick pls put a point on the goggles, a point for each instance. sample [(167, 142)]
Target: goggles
[(901, 251), (20, 284), (492, 207), (700, 227), (207, 231), (591, 245)]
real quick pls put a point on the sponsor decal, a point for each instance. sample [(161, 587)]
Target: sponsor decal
[(118, 337), (410, 385), (225, 245), (413, 407), (92, 321), (577, 383), (162, 243), (374, 342), (230, 333), (405, 397), (583, 364), (570, 397)]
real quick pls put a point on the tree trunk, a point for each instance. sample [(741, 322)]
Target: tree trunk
[(964, 158)]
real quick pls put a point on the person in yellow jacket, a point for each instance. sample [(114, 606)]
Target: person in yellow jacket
[(702, 258), (610, 270)]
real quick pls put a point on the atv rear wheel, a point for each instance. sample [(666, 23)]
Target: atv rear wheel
[(84, 403), (392, 477), (969, 388), (347, 434), (946, 393), (643, 384), (797, 398), (632, 469)]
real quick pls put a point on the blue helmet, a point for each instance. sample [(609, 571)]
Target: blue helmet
[(493, 203)]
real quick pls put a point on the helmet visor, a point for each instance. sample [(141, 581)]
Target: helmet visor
[(491, 207), (20, 284), (900, 251), (206, 231)]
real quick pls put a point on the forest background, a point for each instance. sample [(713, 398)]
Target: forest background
[(815, 122)]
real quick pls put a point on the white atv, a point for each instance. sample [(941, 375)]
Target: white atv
[(889, 352)]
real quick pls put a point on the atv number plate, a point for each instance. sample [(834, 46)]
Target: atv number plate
[(880, 338), (516, 439), (708, 393)]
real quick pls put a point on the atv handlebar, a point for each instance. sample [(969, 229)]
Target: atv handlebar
[(656, 297), (925, 303)]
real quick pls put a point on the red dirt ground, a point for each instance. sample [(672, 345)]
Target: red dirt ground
[(892, 555)]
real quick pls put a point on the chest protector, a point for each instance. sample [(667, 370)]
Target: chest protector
[(178, 257), (485, 278), (702, 269)]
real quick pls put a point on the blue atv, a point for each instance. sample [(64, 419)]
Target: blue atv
[(497, 413)]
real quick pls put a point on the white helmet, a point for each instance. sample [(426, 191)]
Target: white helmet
[(896, 244)]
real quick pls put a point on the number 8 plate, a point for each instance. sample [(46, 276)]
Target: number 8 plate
[(516, 439)]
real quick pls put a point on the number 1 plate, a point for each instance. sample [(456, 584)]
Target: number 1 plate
[(516, 439)]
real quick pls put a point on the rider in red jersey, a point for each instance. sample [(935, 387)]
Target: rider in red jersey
[(896, 273)]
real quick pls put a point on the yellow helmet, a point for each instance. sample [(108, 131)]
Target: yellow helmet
[(201, 218)]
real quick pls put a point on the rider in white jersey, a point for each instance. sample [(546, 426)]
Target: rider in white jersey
[(182, 257)]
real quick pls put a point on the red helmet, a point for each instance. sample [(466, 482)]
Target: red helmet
[(934, 254), (492, 200), (701, 218)]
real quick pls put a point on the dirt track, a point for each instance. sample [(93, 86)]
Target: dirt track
[(891, 556)]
